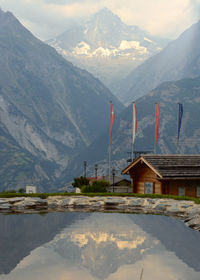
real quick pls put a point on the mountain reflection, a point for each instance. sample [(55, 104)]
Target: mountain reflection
[(103, 243), (20, 234), (113, 246)]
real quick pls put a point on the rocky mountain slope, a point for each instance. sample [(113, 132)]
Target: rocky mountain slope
[(106, 46), (180, 59), (167, 95), (19, 167), (49, 107)]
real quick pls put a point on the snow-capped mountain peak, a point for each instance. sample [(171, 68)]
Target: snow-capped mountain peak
[(105, 46)]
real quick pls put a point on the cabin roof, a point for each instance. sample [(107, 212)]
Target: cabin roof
[(117, 179), (170, 166)]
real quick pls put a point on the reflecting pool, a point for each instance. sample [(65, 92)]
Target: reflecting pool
[(73, 245)]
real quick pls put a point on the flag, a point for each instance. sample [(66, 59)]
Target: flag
[(134, 122), (157, 123), (112, 118), (180, 115)]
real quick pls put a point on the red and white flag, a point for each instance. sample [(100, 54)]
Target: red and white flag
[(134, 122), (157, 123), (112, 118)]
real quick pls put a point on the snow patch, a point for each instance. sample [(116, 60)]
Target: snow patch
[(102, 52), (82, 48), (148, 40), (126, 45)]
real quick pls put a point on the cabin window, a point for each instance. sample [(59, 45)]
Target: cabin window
[(181, 191), (198, 191), (148, 187)]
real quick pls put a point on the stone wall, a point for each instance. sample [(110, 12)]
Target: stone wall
[(188, 211)]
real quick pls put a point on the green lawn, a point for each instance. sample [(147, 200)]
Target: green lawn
[(153, 196)]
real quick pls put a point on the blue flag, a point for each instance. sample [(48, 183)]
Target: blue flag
[(180, 115)]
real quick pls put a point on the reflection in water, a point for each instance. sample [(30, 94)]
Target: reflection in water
[(20, 234), (111, 246)]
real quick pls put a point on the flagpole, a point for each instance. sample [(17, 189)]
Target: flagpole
[(157, 117), (155, 132), (132, 133), (109, 159), (112, 117), (134, 127), (179, 120), (177, 140)]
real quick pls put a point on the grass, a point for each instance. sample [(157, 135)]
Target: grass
[(10, 195), (153, 196)]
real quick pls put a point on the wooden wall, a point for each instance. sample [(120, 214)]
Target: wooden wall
[(189, 185), (142, 174)]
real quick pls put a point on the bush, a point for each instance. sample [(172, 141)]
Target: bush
[(100, 186), (79, 182), (86, 189), (21, 190)]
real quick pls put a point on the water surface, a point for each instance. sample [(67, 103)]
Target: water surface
[(61, 246)]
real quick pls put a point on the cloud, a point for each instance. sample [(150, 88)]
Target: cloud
[(48, 18), (195, 5), (45, 20), (63, 2), (166, 18)]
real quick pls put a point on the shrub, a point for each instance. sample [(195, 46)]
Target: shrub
[(80, 181), (21, 190), (86, 189), (100, 186)]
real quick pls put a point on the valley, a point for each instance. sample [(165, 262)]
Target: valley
[(55, 115)]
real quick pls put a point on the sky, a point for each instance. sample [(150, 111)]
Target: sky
[(48, 18)]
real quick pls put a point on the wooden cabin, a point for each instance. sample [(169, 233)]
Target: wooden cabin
[(165, 174), (119, 185)]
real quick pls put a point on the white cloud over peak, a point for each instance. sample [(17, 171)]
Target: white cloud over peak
[(47, 18)]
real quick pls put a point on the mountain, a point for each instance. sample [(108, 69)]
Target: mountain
[(167, 95), (19, 167), (24, 233), (106, 46), (50, 108), (180, 59)]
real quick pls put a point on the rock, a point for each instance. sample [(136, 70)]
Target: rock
[(194, 210), (174, 209), (96, 205), (151, 200), (194, 222), (39, 202), (113, 201), (81, 202), (18, 206), (52, 204), (96, 198), (31, 203), (28, 204), (186, 204), (3, 200), (161, 207), (15, 199), (135, 202), (5, 206), (68, 202), (56, 197)]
